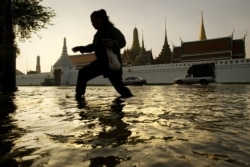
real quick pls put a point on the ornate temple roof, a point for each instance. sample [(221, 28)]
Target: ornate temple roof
[(82, 60), (209, 49), (205, 46)]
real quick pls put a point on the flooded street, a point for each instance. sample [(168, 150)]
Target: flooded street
[(161, 126)]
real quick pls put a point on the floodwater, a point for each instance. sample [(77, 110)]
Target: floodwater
[(161, 126)]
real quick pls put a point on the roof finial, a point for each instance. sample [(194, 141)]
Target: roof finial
[(245, 34), (233, 32), (172, 44), (181, 40)]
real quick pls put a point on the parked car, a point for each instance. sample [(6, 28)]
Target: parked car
[(198, 73), (189, 79), (135, 81)]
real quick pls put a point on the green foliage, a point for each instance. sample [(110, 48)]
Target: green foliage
[(29, 17)]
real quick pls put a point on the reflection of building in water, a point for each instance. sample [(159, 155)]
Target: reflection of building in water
[(227, 53)]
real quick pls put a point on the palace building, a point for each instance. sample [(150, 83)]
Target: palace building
[(221, 49), (209, 49)]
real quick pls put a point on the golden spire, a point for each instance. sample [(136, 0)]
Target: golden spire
[(202, 33), (166, 39)]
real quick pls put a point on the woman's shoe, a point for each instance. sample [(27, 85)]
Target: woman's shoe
[(78, 96)]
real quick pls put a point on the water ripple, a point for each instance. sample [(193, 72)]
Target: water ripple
[(172, 125)]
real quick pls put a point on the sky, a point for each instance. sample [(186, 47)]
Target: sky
[(183, 21)]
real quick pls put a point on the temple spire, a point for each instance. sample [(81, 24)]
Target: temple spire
[(64, 51), (166, 39), (143, 50), (142, 47), (202, 32), (136, 49), (136, 44), (64, 61), (38, 66), (166, 54)]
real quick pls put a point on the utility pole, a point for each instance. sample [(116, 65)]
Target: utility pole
[(8, 50)]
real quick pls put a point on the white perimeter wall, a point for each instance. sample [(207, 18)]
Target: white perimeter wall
[(227, 71), (32, 79)]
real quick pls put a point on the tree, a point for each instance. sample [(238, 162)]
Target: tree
[(29, 16), (18, 18)]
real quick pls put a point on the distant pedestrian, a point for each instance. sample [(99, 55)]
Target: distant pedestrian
[(107, 36)]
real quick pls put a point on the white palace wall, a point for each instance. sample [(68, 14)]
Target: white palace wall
[(227, 71), (32, 79)]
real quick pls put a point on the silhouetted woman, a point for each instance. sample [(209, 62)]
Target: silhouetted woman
[(107, 36)]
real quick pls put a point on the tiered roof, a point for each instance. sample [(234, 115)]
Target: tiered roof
[(220, 48), (82, 60), (209, 49)]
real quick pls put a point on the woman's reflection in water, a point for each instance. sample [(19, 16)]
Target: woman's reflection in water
[(114, 133), (118, 134)]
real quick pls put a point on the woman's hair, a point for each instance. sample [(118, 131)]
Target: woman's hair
[(102, 15)]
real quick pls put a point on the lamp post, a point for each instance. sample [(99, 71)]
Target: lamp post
[(8, 54)]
